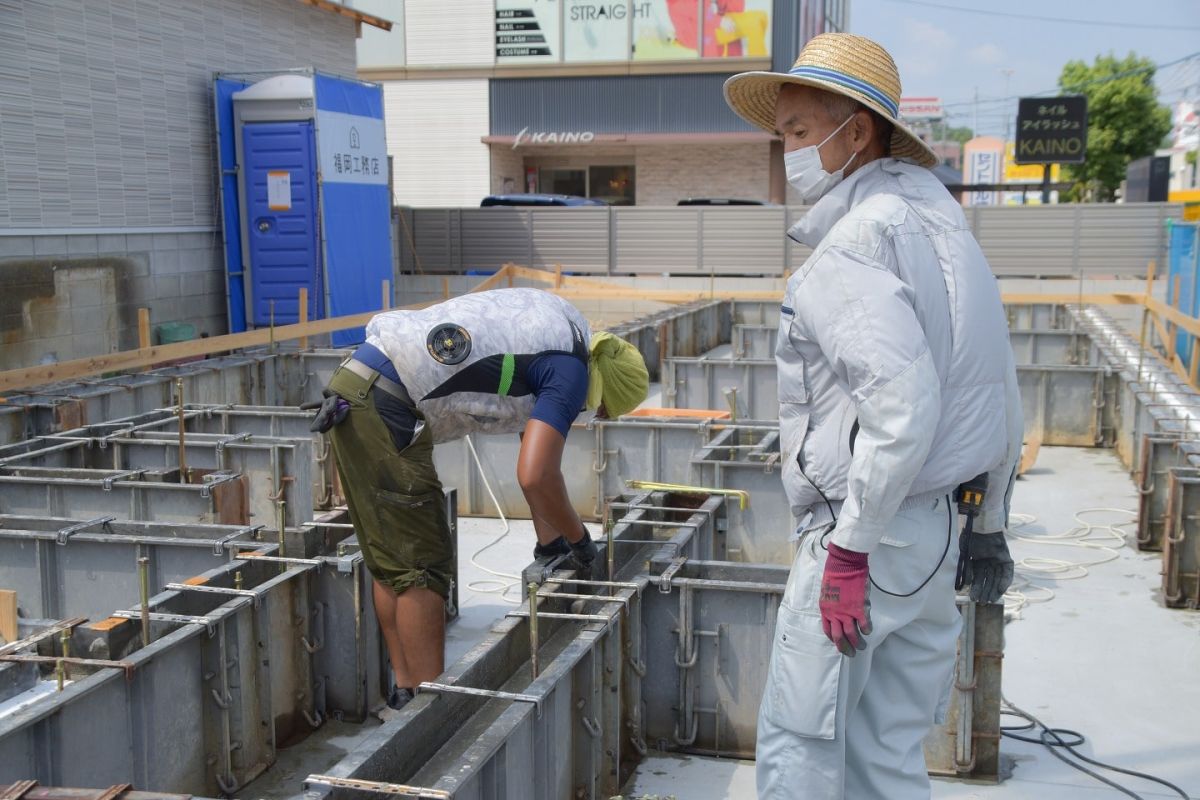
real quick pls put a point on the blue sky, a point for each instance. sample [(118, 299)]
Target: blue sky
[(948, 54)]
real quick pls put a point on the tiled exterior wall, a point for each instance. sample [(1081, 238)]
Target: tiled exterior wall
[(665, 174), (64, 297), (107, 181)]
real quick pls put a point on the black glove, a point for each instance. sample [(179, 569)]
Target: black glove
[(332, 410), (989, 567)]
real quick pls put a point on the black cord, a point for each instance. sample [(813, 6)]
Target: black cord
[(1052, 739), (924, 583)]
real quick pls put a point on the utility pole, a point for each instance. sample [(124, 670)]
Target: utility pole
[(1008, 73)]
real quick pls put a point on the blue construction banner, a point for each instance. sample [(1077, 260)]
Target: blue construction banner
[(235, 296), (357, 208)]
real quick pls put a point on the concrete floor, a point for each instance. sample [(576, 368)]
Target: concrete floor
[(1104, 658)]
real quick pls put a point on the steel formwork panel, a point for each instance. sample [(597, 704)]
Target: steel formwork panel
[(244, 656), (278, 472)]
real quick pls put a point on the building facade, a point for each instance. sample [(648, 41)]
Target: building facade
[(109, 198), (619, 100)]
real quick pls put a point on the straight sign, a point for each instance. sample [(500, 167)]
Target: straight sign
[(1052, 130)]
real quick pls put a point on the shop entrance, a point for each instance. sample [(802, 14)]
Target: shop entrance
[(614, 184)]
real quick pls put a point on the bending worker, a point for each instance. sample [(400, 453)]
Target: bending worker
[(504, 361), (896, 386)]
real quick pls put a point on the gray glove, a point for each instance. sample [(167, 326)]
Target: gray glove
[(989, 567), (331, 411)]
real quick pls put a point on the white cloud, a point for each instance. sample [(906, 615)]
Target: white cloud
[(926, 34), (986, 54), (926, 50)]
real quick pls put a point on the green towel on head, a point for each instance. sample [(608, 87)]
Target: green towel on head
[(617, 375)]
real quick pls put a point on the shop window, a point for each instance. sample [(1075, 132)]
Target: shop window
[(613, 185), (563, 181)]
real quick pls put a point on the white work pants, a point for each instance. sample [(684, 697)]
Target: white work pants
[(832, 727)]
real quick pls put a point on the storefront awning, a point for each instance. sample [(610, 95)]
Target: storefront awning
[(530, 138)]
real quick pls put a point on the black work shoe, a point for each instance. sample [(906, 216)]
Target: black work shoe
[(397, 699)]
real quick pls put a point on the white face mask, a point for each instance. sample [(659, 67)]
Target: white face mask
[(807, 174)]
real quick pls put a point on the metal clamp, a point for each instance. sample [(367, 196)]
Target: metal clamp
[(664, 580), (551, 615), (492, 694), (107, 483), (250, 555), (66, 533), (205, 589), (319, 625), (397, 789), (179, 619), (220, 544), (637, 587)]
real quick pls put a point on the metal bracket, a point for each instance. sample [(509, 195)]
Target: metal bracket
[(664, 580), (107, 483), (249, 555), (609, 584), (66, 533), (578, 617), (180, 619), (492, 694), (205, 589), (590, 725), (318, 625), (396, 789), (231, 439), (220, 544)]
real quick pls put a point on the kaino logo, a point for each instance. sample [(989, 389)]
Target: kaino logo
[(553, 137)]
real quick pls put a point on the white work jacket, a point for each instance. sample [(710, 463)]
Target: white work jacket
[(896, 377)]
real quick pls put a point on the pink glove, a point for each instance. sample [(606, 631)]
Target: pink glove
[(845, 606)]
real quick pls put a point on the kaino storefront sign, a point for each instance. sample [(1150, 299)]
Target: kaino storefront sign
[(528, 137)]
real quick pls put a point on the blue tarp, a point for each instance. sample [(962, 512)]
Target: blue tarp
[(1183, 258)]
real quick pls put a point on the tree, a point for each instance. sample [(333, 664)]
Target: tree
[(1125, 120), (960, 135)]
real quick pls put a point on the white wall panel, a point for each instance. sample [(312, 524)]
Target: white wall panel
[(457, 33), (434, 135)]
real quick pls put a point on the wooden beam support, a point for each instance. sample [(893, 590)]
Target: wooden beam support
[(144, 327), (8, 615), (303, 315), (494, 279), (133, 359), (387, 295)]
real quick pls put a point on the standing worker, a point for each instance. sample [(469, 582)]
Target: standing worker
[(896, 387), (504, 361)]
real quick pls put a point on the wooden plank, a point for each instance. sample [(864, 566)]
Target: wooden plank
[(8, 615), (445, 288), (303, 315), (493, 280), (132, 359), (144, 327), (1180, 319), (387, 295)]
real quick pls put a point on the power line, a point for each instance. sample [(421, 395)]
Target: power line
[(1066, 20), (1073, 87)]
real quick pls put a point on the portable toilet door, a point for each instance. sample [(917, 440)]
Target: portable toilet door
[(277, 181)]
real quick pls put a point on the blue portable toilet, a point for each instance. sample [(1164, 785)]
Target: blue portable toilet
[(304, 195)]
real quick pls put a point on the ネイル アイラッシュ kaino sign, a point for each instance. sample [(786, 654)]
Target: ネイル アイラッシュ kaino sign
[(1051, 130)]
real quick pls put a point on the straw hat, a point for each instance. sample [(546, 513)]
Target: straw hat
[(841, 63)]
